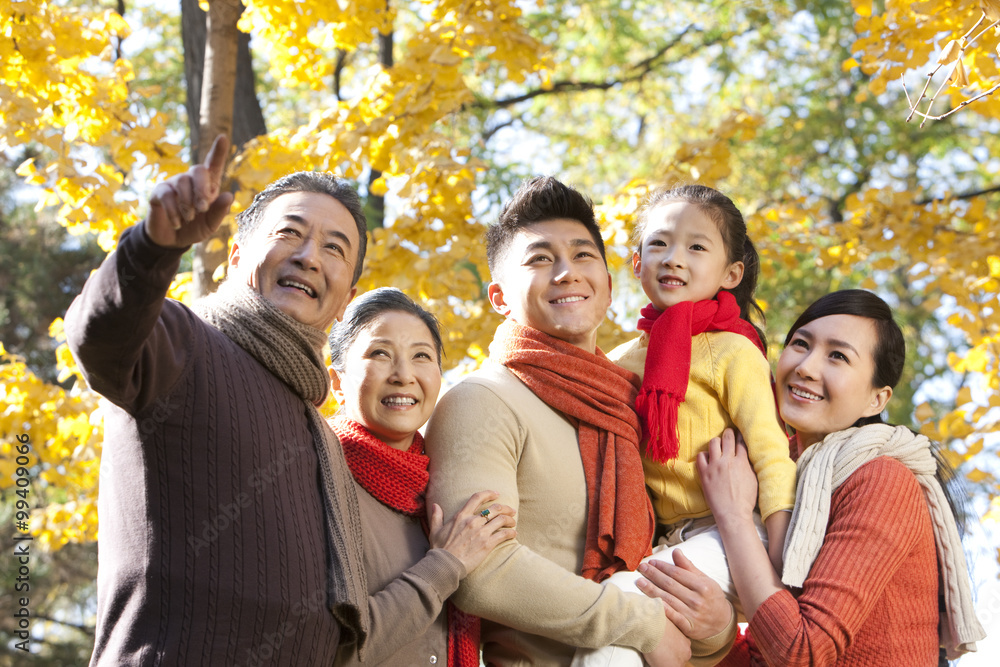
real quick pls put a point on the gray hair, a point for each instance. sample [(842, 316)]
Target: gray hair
[(322, 183), (367, 307)]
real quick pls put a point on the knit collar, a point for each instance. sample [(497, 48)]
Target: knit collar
[(395, 478), (292, 351)]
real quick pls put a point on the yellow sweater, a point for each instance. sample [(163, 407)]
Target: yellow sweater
[(730, 386)]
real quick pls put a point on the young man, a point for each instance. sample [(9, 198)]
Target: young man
[(228, 519), (548, 423)]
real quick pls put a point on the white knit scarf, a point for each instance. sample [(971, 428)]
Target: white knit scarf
[(823, 467), (292, 351)]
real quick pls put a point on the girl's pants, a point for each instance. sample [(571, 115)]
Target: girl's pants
[(700, 541)]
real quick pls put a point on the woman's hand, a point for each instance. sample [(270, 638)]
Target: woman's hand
[(727, 480), (692, 601), (730, 487), (674, 650), (469, 535)]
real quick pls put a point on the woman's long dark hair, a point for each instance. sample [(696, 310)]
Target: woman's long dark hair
[(890, 358)]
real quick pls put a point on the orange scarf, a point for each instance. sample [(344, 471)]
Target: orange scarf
[(398, 480), (597, 396)]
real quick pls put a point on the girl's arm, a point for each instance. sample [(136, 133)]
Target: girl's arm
[(744, 389), (777, 527)]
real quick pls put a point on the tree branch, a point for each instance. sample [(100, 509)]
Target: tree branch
[(338, 72), (636, 72), (496, 128), (964, 195), (88, 629)]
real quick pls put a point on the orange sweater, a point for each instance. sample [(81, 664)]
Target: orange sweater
[(871, 597)]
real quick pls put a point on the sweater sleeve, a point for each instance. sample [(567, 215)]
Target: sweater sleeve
[(407, 606), (474, 442), (130, 347), (745, 392), (712, 650), (874, 519)]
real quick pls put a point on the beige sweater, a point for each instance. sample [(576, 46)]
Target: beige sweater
[(492, 432)]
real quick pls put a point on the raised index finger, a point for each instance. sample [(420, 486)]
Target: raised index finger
[(215, 161)]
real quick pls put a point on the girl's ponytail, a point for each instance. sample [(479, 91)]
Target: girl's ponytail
[(745, 291)]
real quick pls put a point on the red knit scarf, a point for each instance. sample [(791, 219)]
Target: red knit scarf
[(398, 480), (395, 478), (668, 362), (597, 396)]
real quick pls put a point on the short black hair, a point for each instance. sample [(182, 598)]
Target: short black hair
[(537, 200), (248, 220)]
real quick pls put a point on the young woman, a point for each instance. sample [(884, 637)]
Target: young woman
[(386, 371), (873, 530)]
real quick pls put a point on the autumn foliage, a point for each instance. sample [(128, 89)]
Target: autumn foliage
[(463, 71)]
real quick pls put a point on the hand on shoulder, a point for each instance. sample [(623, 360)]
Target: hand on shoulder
[(473, 532)]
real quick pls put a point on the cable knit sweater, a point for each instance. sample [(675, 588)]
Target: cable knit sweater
[(491, 432), (871, 597), (212, 535), (729, 387)]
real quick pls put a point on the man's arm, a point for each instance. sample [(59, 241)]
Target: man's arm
[(114, 328), (474, 442)]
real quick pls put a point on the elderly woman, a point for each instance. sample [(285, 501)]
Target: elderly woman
[(386, 372), (873, 531)]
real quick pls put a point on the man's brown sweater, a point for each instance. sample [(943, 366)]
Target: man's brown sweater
[(212, 537)]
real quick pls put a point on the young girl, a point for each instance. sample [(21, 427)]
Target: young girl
[(385, 366), (704, 369)]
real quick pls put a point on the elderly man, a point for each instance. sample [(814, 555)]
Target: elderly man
[(229, 528), (548, 423)]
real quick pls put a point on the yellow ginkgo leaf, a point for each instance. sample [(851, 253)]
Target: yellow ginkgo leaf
[(958, 77), (951, 52)]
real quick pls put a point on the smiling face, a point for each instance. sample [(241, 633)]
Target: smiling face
[(301, 258), (553, 279), (391, 377), (682, 256), (824, 377)]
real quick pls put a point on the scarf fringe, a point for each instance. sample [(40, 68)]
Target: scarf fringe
[(660, 416)]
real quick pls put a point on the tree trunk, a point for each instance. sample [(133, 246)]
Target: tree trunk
[(242, 117), (376, 203)]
